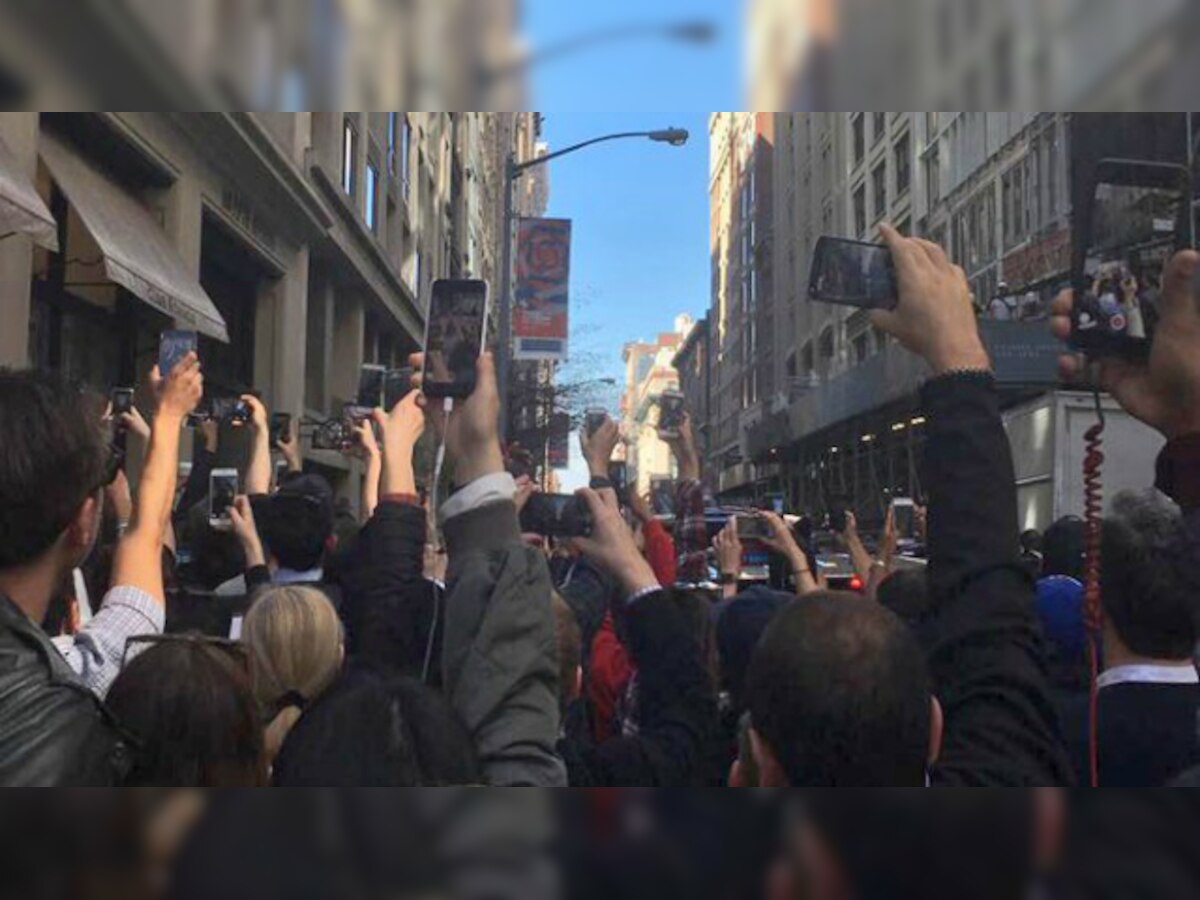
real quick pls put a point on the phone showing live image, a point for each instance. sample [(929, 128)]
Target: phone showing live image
[(122, 402), (173, 347), (397, 386), (222, 491), (853, 273), (454, 338)]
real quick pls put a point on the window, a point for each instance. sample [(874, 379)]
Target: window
[(879, 183), (860, 138), (860, 210), (904, 226), (903, 165), (349, 154), (371, 197), (391, 158), (827, 218), (862, 348), (807, 362), (933, 178), (879, 127), (405, 151), (827, 349)]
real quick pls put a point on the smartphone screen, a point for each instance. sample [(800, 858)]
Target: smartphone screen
[(670, 413), (281, 427), (1140, 216), (122, 402), (222, 490), (371, 380), (905, 517), (594, 420), (556, 515), (752, 527), (454, 337), (853, 273), (173, 346)]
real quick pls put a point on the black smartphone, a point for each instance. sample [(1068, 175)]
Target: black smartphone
[(222, 491), (232, 410), (838, 520), (1139, 215), (371, 380), (122, 402), (397, 386), (753, 528), (173, 346), (853, 273), (670, 414), (594, 420), (618, 474), (454, 337), (281, 428), (556, 515)]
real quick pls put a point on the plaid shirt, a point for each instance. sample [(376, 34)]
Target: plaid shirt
[(691, 532), (96, 652)]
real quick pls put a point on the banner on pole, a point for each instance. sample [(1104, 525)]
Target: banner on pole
[(558, 451), (540, 320)]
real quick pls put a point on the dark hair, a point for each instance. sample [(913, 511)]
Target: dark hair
[(839, 690), (1063, 547), (52, 458), (372, 731), (191, 710), (569, 638), (906, 593), (1149, 587), (1031, 541), (296, 532)]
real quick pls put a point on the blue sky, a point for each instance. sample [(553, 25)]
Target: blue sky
[(640, 209)]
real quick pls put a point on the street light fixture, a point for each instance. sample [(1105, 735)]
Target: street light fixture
[(674, 137)]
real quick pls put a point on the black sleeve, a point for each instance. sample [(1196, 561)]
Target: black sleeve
[(987, 661), (387, 605), (676, 709), (589, 593)]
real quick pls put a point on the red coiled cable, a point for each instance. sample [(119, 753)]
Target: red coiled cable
[(1093, 610)]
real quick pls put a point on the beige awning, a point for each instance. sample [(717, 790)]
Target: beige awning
[(21, 207), (137, 254)]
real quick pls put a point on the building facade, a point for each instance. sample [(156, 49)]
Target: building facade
[(649, 372), (742, 309), (302, 243)]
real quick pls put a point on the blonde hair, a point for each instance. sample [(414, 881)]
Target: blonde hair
[(295, 641)]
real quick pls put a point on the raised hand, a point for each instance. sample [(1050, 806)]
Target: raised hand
[(180, 391), (241, 517), (612, 545), (599, 446), (472, 431)]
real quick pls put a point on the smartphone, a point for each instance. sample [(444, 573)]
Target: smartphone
[(853, 273), (753, 528), (233, 410), (122, 402), (618, 474), (1139, 215), (396, 387), (281, 428), (556, 515), (454, 337), (371, 380), (594, 420), (333, 435), (838, 520), (904, 511), (222, 491), (670, 414), (173, 346), (662, 495)]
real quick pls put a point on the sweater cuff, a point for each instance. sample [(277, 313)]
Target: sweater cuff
[(1178, 471), (401, 499), (489, 489)]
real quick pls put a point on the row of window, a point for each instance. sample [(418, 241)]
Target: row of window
[(902, 168), (399, 161)]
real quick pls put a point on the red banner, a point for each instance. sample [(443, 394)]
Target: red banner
[(540, 323), (558, 451)]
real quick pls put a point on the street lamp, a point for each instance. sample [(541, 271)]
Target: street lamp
[(674, 137)]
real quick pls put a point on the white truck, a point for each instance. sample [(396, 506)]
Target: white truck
[(1048, 443)]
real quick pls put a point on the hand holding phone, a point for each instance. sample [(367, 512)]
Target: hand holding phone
[(853, 273), (173, 347), (753, 528), (594, 420), (556, 515), (122, 403), (671, 411), (454, 338), (223, 488)]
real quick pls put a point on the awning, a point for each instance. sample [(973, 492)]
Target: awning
[(137, 254), (21, 208)]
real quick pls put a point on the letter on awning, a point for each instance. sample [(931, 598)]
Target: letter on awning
[(137, 254), (21, 208)]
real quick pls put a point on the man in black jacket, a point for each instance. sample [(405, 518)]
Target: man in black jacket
[(855, 704)]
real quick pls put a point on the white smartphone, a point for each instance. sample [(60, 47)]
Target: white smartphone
[(455, 335), (223, 487), (905, 512)]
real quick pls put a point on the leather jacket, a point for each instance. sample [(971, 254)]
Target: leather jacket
[(53, 730)]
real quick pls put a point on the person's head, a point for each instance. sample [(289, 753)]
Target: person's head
[(368, 731), (1064, 546), (569, 638), (295, 641), (54, 464), (740, 625), (906, 593), (189, 707), (1031, 541), (1149, 586), (299, 523), (839, 696)]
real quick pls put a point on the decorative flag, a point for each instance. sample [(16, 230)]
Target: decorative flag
[(540, 323), (558, 451)]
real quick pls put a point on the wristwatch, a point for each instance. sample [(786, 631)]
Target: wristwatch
[(601, 484), (727, 578)]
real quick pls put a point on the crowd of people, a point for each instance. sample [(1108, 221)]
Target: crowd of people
[(420, 646)]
